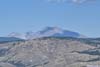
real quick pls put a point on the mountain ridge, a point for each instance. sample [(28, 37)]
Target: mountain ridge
[(47, 32)]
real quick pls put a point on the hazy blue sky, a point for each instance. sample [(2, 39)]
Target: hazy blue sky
[(26, 15)]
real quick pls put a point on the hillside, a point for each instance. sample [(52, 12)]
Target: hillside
[(50, 52)]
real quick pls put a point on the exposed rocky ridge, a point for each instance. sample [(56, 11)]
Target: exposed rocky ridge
[(48, 52)]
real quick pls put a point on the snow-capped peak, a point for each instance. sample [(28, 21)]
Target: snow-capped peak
[(46, 32)]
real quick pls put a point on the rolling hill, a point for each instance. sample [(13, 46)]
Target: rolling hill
[(50, 52)]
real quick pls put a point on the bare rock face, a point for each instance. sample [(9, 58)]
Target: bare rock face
[(48, 52)]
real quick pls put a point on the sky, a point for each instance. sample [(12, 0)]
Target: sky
[(33, 15)]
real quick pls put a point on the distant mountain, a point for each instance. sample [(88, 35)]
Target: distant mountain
[(9, 39), (57, 32), (47, 32), (17, 35)]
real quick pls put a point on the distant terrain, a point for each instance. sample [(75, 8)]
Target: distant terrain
[(50, 47), (9, 39), (47, 32), (51, 52)]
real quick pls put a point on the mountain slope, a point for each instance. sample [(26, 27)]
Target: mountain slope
[(57, 32), (17, 35), (48, 52)]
